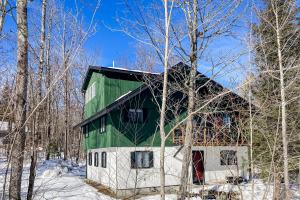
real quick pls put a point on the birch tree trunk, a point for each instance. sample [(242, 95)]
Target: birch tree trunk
[(188, 141), (38, 128), (164, 102), (49, 98), (283, 110), (66, 98), (66, 115), (20, 102)]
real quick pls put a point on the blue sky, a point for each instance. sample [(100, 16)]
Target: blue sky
[(112, 45), (107, 45)]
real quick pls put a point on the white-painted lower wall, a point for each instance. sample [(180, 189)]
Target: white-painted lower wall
[(118, 174)]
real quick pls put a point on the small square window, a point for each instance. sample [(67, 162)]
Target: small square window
[(228, 157)]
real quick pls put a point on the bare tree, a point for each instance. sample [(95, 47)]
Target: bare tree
[(162, 119), (192, 20), (38, 115), (20, 102)]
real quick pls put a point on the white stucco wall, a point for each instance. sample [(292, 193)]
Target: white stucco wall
[(119, 175), (105, 176)]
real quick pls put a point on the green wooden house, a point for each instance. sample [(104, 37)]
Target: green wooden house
[(122, 140)]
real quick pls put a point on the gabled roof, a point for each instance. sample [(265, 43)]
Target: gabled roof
[(130, 74), (124, 98)]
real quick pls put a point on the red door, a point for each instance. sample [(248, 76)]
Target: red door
[(198, 167)]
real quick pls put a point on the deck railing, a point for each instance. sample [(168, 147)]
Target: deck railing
[(207, 136)]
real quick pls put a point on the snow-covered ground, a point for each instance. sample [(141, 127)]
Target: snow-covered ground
[(57, 179)]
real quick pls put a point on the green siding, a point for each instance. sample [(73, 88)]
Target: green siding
[(119, 133), (97, 103), (134, 134), (107, 91), (114, 88), (125, 134)]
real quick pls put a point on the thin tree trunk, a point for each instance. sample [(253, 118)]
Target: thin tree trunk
[(66, 112), (188, 141), (66, 102), (283, 111), (251, 139), (49, 98), (277, 185), (20, 102), (299, 177), (37, 121), (164, 105)]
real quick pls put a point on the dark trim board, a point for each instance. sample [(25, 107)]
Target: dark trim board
[(119, 72)]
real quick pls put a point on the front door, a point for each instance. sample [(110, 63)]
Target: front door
[(198, 167)]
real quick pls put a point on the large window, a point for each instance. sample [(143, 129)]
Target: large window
[(96, 159), (141, 159), (103, 159), (228, 157), (90, 93), (90, 159), (102, 124)]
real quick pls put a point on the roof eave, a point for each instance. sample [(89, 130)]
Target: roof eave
[(112, 106)]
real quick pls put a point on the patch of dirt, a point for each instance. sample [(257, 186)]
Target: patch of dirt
[(102, 189)]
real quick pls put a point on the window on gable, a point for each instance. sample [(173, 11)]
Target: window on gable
[(90, 159), (102, 124), (141, 159), (228, 157), (96, 159), (227, 121), (135, 115), (103, 159), (86, 131), (86, 96), (90, 92)]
